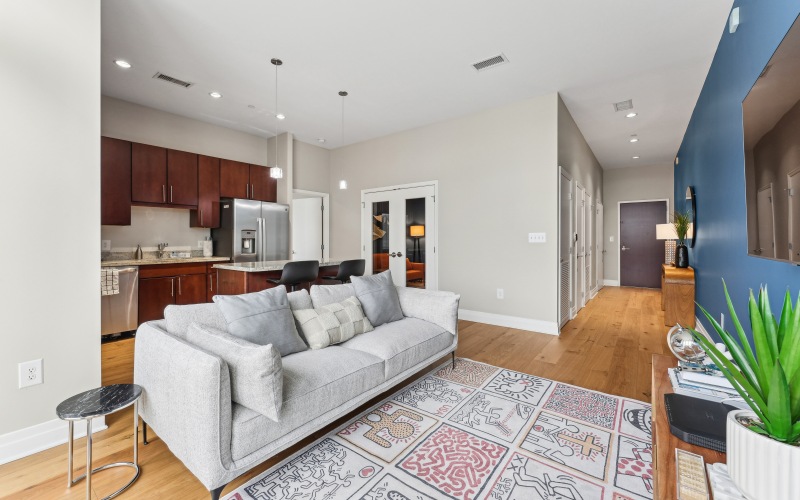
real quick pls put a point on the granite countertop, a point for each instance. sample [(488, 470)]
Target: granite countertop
[(154, 261), (268, 265)]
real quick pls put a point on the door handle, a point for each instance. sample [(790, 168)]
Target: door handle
[(164, 192), (170, 193), (172, 293), (624, 248), (393, 254), (179, 286), (399, 254)]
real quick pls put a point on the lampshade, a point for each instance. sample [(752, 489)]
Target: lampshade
[(666, 232), (416, 231)]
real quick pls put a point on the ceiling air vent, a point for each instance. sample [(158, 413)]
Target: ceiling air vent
[(167, 78), (491, 62), (623, 105)]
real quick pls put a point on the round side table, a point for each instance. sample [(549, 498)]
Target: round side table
[(99, 403)]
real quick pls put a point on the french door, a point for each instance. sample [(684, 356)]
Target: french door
[(399, 233)]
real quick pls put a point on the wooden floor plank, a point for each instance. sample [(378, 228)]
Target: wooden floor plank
[(606, 348)]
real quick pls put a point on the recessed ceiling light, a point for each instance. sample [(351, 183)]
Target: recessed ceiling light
[(280, 116), (321, 140), (215, 94), (251, 106), (122, 64), (634, 138), (635, 157), (631, 115)]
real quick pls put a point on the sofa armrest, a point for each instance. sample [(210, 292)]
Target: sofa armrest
[(439, 308), (187, 401)]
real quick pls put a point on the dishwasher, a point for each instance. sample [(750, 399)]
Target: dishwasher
[(119, 313)]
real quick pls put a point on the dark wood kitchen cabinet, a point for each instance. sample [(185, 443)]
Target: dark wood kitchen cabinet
[(148, 173), (250, 182), (211, 289), (207, 213), (234, 179), (163, 284), (163, 176), (181, 177), (262, 186), (115, 182)]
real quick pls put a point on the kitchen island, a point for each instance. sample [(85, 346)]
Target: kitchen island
[(247, 277)]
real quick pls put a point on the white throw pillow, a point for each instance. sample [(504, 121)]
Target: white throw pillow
[(333, 323)]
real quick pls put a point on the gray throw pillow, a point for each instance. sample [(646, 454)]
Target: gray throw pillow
[(378, 298), (322, 295), (333, 323), (256, 371), (178, 318), (262, 318)]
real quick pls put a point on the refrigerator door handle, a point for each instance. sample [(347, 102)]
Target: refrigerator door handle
[(259, 247)]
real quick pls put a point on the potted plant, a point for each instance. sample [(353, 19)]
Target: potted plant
[(762, 446), (682, 222)]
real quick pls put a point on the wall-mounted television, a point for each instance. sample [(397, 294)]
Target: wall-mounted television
[(771, 119)]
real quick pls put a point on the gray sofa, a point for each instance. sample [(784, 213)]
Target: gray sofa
[(187, 391)]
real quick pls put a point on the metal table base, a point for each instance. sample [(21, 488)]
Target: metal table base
[(88, 476)]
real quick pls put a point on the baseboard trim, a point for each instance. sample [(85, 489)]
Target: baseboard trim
[(531, 325), (611, 282), (24, 442)]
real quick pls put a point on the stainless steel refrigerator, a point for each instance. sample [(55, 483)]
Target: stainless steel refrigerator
[(252, 231)]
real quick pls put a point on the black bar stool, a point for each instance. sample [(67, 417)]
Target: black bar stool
[(347, 269), (296, 272)]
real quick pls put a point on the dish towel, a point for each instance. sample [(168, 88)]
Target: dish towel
[(109, 281)]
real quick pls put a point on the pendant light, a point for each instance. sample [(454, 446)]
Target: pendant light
[(276, 172), (342, 181)]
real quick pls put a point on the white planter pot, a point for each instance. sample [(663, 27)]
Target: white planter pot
[(762, 468)]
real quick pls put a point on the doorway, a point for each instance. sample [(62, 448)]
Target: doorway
[(794, 216), (580, 247), (599, 251), (766, 222), (310, 222), (399, 233), (640, 253), (589, 239)]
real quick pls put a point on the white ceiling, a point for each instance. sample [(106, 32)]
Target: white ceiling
[(408, 64)]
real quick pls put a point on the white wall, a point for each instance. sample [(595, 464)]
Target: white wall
[(575, 155), (50, 185), (630, 184), (498, 178), (132, 122), (311, 167)]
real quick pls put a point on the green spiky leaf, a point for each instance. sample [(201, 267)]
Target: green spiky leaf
[(745, 343), (786, 319), (763, 351), (790, 349), (748, 370), (770, 326), (779, 412)]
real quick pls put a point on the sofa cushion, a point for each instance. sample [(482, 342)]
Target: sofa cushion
[(332, 324), (314, 382), (323, 295), (402, 344), (255, 370), (299, 300), (178, 318), (378, 297), (262, 318)]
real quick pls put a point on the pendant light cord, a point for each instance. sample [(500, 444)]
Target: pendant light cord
[(276, 115)]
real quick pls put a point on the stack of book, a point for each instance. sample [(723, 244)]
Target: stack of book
[(705, 385)]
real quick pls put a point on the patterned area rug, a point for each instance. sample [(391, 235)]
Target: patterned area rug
[(476, 432)]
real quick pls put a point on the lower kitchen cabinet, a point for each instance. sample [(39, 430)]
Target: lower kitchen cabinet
[(165, 284), (211, 289)]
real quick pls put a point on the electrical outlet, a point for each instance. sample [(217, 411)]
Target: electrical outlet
[(30, 373), (537, 237), (106, 246), (501, 294)]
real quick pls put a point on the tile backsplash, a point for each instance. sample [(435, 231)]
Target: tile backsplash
[(151, 226)]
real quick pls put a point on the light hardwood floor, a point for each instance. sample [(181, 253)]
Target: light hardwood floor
[(607, 347)]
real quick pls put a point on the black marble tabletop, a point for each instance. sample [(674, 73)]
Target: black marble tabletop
[(97, 402)]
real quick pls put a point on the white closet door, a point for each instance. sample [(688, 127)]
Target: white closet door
[(565, 249)]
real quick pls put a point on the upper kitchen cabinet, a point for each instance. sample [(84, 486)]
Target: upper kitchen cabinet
[(262, 186), (148, 173), (163, 176), (250, 182), (115, 182), (207, 213), (234, 179), (182, 177)]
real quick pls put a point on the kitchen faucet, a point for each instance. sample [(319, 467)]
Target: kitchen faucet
[(162, 249)]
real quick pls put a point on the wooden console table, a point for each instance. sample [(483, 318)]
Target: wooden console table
[(664, 443), (677, 295)]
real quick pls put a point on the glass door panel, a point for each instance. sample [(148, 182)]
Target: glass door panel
[(415, 242)]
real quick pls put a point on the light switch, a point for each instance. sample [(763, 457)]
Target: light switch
[(106, 246), (611, 239), (537, 237)]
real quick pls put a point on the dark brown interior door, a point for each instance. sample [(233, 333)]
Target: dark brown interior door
[(640, 253), (182, 177)]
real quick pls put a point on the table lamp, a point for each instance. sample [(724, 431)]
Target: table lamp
[(667, 232)]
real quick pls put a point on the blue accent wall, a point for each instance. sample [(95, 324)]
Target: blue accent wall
[(711, 158)]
